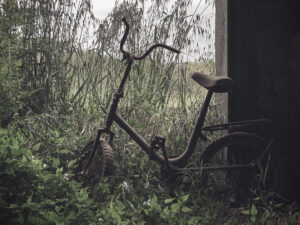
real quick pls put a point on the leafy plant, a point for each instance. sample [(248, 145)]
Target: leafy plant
[(32, 193)]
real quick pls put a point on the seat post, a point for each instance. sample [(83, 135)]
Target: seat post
[(200, 121), (199, 124), (202, 115)]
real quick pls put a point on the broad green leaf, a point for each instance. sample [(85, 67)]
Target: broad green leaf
[(55, 162), (175, 207), (186, 209), (166, 211), (64, 151), (57, 209), (168, 200), (14, 142), (61, 200), (153, 202), (253, 210), (56, 133), (71, 163), (28, 201), (185, 197), (245, 212), (60, 140), (20, 138), (36, 147), (13, 206), (120, 205), (115, 215), (28, 153), (24, 159), (253, 219), (146, 212), (59, 170)]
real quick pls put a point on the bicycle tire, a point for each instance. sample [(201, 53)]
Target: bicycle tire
[(267, 176), (101, 165)]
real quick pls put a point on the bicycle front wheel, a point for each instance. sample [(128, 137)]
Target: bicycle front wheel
[(100, 165), (240, 149)]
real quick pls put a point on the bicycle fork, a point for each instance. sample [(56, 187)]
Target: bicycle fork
[(112, 112)]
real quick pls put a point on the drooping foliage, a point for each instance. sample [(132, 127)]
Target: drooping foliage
[(50, 61), (38, 42)]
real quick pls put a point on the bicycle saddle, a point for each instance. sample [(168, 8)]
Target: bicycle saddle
[(218, 84)]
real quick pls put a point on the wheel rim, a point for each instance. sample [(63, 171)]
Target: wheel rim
[(239, 183)]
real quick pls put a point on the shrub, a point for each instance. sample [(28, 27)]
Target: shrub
[(32, 193)]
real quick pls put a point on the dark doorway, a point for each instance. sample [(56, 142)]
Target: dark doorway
[(263, 53)]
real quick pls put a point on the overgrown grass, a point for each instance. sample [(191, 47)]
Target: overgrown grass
[(55, 93), (38, 155)]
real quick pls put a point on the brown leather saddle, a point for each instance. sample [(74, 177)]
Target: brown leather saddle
[(218, 84)]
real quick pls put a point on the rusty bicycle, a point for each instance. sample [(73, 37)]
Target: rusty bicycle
[(230, 162)]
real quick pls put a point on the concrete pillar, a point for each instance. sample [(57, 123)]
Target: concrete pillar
[(221, 54)]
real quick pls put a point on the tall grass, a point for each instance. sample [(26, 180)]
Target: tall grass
[(158, 87), (59, 70)]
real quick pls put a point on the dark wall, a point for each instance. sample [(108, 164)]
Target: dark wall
[(264, 62)]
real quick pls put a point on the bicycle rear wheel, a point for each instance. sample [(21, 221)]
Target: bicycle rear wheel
[(241, 148), (100, 165)]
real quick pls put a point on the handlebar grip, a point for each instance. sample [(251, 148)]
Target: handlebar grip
[(156, 46), (126, 54)]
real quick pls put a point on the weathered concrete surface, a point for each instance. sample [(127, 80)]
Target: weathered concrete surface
[(221, 54)]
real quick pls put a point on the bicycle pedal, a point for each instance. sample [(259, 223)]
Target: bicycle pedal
[(158, 142), (185, 182), (158, 137)]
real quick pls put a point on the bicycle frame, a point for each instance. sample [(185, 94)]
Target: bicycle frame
[(148, 148), (196, 133), (114, 117)]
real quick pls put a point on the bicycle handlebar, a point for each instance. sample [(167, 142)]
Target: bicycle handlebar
[(127, 54)]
